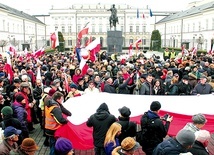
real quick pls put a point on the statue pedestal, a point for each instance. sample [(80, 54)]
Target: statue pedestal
[(114, 41)]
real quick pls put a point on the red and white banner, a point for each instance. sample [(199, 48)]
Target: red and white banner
[(12, 50), (84, 31), (93, 47), (137, 42), (54, 40), (130, 50), (180, 107)]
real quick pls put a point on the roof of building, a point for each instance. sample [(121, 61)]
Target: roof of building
[(192, 11), (20, 13)]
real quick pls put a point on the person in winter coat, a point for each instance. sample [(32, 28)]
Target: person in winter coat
[(129, 128), (174, 146), (100, 121), (198, 122), (201, 143), (153, 128), (54, 118), (20, 113), (9, 120)]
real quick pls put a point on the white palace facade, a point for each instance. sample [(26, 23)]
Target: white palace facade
[(194, 26)]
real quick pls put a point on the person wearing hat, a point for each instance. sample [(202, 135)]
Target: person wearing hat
[(14, 88), (9, 120), (25, 91), (153, 127), (183, 141), (100, 121), (54, 119), (63, 146), (9, 144), (184, 87), (198, 121), (128, 147), (74, 92), (129, 128), (109, 87), (20, 113), (28, 147), (202, 87)]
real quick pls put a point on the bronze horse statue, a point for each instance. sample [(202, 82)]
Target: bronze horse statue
[(113, 21)]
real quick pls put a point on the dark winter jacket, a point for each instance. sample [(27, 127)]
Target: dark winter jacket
[(169, 147), (100, 121), (20, 113), (202, 89), (146, 89), (154, 130), (109, 88), (128, 128), (198, 149)]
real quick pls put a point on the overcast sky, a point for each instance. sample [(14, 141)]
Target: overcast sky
[(42, 6)]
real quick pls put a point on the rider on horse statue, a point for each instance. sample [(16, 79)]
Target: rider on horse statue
[(113, 18)]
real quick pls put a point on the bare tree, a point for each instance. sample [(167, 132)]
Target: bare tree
[(3, 43)]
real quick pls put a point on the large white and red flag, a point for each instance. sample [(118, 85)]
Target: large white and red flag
[(137, 43), (81, 136), (39, 53), (94, 48), (83, 32), (84, 54), (194, 50), (8, 68), (54, 40), (12, 50)]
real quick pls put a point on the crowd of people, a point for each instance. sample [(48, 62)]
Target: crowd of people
[(38, 88)]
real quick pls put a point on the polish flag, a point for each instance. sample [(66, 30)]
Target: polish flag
[(83, 32), (54, 40), (137, 42), (130, 50), (211, 51), (38, 75), (39, 53), (12, 50), (84, 58), (194, 50), (81, 135), (8, 68), (93, 47)]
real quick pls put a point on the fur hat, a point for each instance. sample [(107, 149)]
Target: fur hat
[(124, 111), (63, 146), (7, 110), (129, 144), (185, 137), (29, 145), (155, 106)]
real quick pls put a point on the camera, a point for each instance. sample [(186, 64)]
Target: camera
[(165, 117)]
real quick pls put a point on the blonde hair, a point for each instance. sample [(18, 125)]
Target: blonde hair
[(112, 132)]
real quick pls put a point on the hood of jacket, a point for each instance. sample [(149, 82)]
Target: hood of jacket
[(102, 112)]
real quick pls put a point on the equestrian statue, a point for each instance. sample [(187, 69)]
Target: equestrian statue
[(113, 19)]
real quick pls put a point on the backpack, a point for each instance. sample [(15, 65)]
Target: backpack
[(146, 129)]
